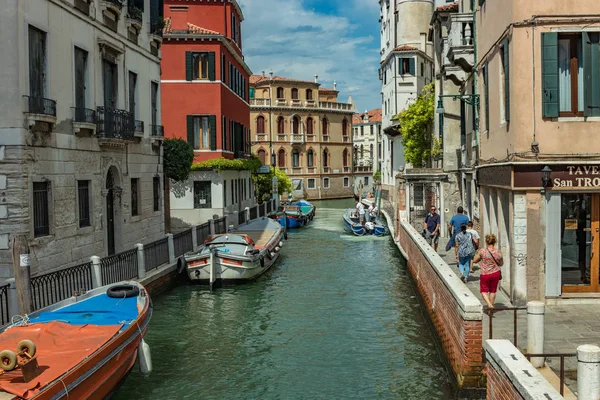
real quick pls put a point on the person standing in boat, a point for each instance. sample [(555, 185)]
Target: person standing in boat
[(370, 213), (360, 211)]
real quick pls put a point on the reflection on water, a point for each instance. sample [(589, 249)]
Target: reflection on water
[(336, 317)]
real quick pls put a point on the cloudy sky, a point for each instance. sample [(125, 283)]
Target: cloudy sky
[(336, 39)]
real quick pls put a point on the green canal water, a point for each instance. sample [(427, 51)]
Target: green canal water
[(335, 318)]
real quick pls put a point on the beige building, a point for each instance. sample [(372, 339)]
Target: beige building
[(304, 130), (366, 131), (539, 172)]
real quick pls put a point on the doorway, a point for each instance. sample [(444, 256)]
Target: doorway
[(110, 213), (580, 242)]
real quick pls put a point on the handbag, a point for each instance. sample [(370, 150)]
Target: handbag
[(494, 258)]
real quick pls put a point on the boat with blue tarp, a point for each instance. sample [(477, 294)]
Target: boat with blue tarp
[(290, 217), (307, 208)]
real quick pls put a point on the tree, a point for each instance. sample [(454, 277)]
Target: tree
[(416, 127), (264, 183), (178, 158)]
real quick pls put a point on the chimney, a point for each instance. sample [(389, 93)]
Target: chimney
[(334, 85), (316, 78), (271, 74), (263, 74), (424, 42)]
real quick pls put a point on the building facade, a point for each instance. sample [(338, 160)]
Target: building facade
[(367, 138), (81, 134), (205, 101), (305, 131), (540, 106)]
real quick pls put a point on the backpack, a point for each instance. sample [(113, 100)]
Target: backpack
[(466, 247)]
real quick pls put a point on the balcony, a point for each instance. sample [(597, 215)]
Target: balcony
[(40, 110), (310, 103), (241, 154), (326, 138), (311, 138), (296, 171), (296, 138), (114, 127), (135, 14), (113, 5), (311, 170), (363, 168), (83, 6), (157, 131), (295, 103), (346, 139), (326, 170), (460, 49), (335, 106), (138, 128), (260, 102), (84, 119), (281, 137), (280, 102)]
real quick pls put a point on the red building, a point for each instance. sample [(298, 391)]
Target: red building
[(205, 79)]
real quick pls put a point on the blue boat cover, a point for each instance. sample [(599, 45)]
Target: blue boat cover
[(98, 310), (303, 203)]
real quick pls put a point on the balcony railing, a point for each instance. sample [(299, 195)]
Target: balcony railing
[(295, 103), (139, 126), (84, 115), (40, 105), (460, 41), (157, 130), (297, 138), (261, 137), (335, 106), (298, 103), (260, 102), (117, 3), (115, 124), (311, 103), (281, 102)]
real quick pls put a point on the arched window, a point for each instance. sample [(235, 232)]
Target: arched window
[(326, 158), (261, 155), (280, 94), (345, 157), (294, 94), (325, 130), (260, 124), (344, 127), (280, 125), (309, 94), (295, 158), (362, 151), (310, 158), (309, 126), (281, 158), (295, 124)]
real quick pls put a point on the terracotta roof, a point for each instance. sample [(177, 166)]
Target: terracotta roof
[(327, 90), (374, 116), (448, 7), (256, 79), (167, 27), (191, 28), (405, 48)]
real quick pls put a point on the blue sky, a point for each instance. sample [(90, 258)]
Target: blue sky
[(336, 39)]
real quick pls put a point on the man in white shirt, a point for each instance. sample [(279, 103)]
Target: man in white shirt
[(370, 212), (360, 210)]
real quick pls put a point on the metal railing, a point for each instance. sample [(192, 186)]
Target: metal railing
[(202, 232), (156, 254), (84, 115), (182, 242), (55, 286), (254, 213), (156, 27), (40, 105), (241, 217), (138, 126), (269, 207), (221, 225), (157, 130), (261, 210), (562, 357), (115, 124), (492, 311), (4, 313), (119, 267)]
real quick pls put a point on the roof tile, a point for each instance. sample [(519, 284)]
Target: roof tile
[(374, 116)]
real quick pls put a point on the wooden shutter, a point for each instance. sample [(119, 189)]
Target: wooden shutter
[(411, 66), (550, 107), (188, 65), (212, 123), (211, 66), (591, 84), (190, 130), (506, 81)]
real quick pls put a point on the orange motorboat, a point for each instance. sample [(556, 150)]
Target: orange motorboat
[(80, 348)]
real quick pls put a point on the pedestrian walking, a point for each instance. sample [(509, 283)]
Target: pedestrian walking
[(473, 233), (431, 226), (454, 225), (465, 250), (490, 260)]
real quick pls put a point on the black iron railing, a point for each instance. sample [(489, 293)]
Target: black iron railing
[(157, 130), (182, 242), (134, 12), (84, 115), (261, 210), (221, 225), (119, 267), (55, 286), (492, 311), (40, 105), (269, 207), (156, 27), (138, 126), (202, 232), (254, 213), (4, 313), (115, 124), (241, 217), (156, 254), (562, 357)]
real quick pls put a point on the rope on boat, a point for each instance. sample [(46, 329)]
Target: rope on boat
[(66, 390), (20, 320)]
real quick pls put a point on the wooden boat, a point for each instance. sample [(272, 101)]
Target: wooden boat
[(352, 224), (307, 208), (290, 217), (81, 348), (238, 256)]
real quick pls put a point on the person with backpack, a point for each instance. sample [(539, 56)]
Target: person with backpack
[(474, 233), (466, 251)]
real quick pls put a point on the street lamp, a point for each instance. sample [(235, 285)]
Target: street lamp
[(546, 180), (440, 106)]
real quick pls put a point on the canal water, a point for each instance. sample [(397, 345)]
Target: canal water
[(335, 318)]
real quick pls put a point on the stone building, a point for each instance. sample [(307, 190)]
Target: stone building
[(305, 131), (366, 132), (539, 80), (81, 134)]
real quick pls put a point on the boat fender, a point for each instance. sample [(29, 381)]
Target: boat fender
[(123, 291), (277, 249), (280, 243), (272, 255), (262, 261), (285, 235), (145, 358), (181, 265)]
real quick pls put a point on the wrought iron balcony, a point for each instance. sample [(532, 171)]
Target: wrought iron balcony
[(115, 124), (156, 27), (40, 105), (84, 115), (157, 131), (139, 126)]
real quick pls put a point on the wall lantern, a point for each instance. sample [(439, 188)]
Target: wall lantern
[(440, 107), (546, 180)]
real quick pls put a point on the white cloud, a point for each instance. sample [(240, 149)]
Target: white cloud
[(292, 41)]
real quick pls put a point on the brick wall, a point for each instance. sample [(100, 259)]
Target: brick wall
[(499, 387)]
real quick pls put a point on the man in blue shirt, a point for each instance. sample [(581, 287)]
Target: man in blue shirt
[(432, 228), (454, 228)]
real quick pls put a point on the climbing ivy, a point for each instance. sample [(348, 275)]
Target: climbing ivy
[(221, 164), (416, 128), (178, 157)]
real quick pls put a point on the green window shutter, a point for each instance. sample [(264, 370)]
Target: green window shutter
[(211, 66), (188, 65), (411, 66), (591, 75), (190, 130), (251, 93), (212, 123), (400, 66), (550, 74), (506, 80)]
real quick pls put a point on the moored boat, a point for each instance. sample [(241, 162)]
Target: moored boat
[(307, 208), (237, 256), (352, 224), (290, 217), (79, 348)]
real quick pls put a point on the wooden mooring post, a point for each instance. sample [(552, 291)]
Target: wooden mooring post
[(22, 271)]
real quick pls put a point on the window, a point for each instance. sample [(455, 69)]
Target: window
[(110, 77), (281, 158), (422, 69), (326, 183), (132, 92), (224, 132), (280, 125), (325, 127), (366, 180), (233, 28), (81, 57), (346, 182), (371, 151), (199, 66), (309, 94), (326, 158), (309, 126), (310, 158), (154, 104), (37, 68), (224, 193), (345, 157), (262, 156), (295, 125), (156, 192), (223, 72), (41, 209), (407, 66), (280, 94), (294, 94), (295, 158), (371, 130), (233, 191), (570, 74), (311, 183), (83, 197), (362, 131), (362, 151), (260, 124), (135, 196), (202, 194), (202, 132), (344, 127)]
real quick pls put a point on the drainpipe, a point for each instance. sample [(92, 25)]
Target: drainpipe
[(476, 112)]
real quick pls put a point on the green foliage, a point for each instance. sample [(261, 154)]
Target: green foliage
[(377, 177), (178, 158), (221, 164), (416, 127), (436, 148), (264, 183)]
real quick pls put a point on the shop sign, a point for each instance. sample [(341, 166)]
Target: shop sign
[(562, 176)]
